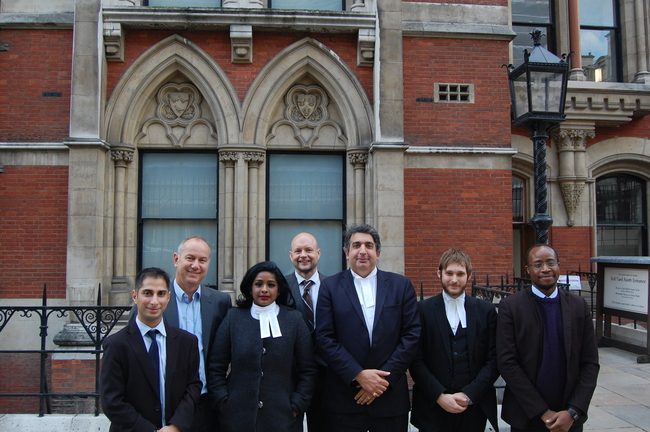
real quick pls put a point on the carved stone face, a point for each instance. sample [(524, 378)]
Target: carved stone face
[(179, 101), (306, 104)]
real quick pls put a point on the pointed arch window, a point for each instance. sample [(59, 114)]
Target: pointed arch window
[(306, 192), (178, 199)]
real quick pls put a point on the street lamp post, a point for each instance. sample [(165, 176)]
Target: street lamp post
[(538, 92)]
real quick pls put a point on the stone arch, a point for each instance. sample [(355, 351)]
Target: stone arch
[(308, 58), (155, 67), (619, 155)]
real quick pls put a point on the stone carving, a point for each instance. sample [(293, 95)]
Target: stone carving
[(571, 193), (358, 158), (254, 157), (572, 138), (306, 118), (178, 104), (177, 119), (228, 156), (306, 105), (122, 155)]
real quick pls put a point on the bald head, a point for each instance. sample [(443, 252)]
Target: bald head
[(305, 254)]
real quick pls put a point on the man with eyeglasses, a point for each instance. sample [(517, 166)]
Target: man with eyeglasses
[(546, 351)]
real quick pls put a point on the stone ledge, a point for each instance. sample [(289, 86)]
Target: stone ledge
[(43, 21), (53, 423), (223, 18)]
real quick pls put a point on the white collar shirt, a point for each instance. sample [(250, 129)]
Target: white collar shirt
[(455, 310), (367, 292), (540, 294)]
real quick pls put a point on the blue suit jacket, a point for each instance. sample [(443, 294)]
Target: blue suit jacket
[(342, 338)]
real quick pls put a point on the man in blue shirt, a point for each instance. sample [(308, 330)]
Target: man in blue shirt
[(199, 310)]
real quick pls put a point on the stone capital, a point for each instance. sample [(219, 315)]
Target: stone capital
[(572, 139), (122, 154)]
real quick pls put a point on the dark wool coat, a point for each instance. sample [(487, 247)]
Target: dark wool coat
[(519, 352), (269, 378)]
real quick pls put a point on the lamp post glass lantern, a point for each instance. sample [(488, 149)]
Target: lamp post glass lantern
[(538, 93)]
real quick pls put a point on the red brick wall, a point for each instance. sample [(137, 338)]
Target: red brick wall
[(573, 244), (458, 61), (266, 45), (33, 231), (19, 373), (469, 210), (637, 128), (73, 376), (37, 61)]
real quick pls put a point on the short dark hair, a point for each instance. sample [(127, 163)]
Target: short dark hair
[(151, 272), (455, 256), (245, 299), (557, 258), (366, 229)]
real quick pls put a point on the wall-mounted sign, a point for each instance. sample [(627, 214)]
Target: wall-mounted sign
[(626, 289), (573, 281)]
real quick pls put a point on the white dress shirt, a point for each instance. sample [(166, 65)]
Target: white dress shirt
[(455, 309), (367, 293)]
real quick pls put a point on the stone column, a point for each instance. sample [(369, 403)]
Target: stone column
[(571, 147), (254, 159), (122, 156), (387, 160), (87, 159), (229, 159), (358, 159), (640, 17), (576, 73)]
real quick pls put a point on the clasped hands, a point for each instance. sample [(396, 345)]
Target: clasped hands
[(453, 403), (372, 384), (560, 421)]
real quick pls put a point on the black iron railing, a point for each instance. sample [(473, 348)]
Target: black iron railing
[(97, 321)]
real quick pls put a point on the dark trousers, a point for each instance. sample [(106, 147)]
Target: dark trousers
[(317, 417), (473, 419), (364, 422), (540, 427), (204, 417)]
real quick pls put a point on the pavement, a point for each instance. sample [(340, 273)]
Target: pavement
[(621, 402)]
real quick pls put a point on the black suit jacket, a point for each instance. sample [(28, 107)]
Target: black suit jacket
[(128, 388), (342, 338), (519, 353), (214, 307), (431, 369)]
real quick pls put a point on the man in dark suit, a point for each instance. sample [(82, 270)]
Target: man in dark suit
[(456, 365), (546, 351), (198, 310), (149, 379), (305, 283), (367, 332)]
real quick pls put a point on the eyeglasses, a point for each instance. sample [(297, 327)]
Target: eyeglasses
[(549, 264)]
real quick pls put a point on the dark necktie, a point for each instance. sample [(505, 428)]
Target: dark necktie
[(306, 298), (154, 356)]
